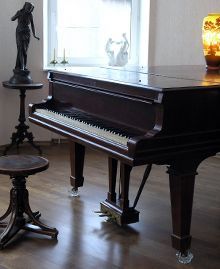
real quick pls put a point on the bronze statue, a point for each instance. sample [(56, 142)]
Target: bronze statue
[(25, 19)]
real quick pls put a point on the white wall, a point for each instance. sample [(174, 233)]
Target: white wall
[(9, 99), (175, 30), (175, 38)]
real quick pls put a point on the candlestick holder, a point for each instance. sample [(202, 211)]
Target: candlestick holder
[(54, 61), (64, 61)]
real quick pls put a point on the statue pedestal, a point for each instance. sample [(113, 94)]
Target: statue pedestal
[(21, 77), (22, 128)]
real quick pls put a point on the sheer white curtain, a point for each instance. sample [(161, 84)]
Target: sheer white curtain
[(83, 27)]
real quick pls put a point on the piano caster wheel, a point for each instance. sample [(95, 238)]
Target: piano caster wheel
[(74, 192), (184, 258)]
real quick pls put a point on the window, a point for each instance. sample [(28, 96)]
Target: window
[(95, 32)]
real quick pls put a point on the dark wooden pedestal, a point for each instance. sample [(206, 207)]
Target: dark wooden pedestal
[(22, 129)]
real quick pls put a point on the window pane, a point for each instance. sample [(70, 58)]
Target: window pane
[(84, 26)]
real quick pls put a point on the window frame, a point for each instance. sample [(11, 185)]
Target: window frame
[(139, 30)]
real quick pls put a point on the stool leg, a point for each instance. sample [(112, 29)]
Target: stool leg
[(19, 204), (7, 213), (9, 232), (16, 221), (38, 226)]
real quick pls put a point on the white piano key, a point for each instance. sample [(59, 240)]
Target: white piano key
[(93, 129)]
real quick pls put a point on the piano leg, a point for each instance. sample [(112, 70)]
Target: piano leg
[(182, 179), (112, 166), (77, 155), (125, 171), (119, 210)]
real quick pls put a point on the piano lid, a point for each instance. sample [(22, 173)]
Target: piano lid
[(157, 79)]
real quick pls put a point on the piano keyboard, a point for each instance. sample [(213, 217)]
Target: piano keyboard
[(84, 125)]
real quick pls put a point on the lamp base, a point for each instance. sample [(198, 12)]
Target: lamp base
[(212, 62)]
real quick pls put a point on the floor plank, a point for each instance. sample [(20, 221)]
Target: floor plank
[(88, 241)]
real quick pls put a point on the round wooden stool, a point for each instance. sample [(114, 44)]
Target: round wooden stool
[(19, 167)]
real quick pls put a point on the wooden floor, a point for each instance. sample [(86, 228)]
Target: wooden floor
[(87, 241)]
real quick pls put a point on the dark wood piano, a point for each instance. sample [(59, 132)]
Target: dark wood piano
[(138, 116)]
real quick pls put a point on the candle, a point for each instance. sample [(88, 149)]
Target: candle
[(64, 61), (54, 61)]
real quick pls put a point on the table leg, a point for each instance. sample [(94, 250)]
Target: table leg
[(19, 136)]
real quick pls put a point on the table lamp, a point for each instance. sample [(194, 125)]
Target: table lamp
[(211, 41)]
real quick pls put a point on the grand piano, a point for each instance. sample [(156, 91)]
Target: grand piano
[(137, 116)]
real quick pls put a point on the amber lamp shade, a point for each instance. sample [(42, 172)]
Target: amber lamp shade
[(211, 41)]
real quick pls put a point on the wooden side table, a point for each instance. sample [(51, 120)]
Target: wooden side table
[(22, 133)]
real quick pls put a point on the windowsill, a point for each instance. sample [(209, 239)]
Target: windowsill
[(69, 66)]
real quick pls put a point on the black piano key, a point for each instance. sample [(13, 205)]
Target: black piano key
[(92, 120)]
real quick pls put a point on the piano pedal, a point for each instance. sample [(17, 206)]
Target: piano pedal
[(104, 214), (111, 219)]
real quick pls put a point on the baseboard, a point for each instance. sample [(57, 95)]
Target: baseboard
[(59, 141), (26, 144), (217, 156)]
